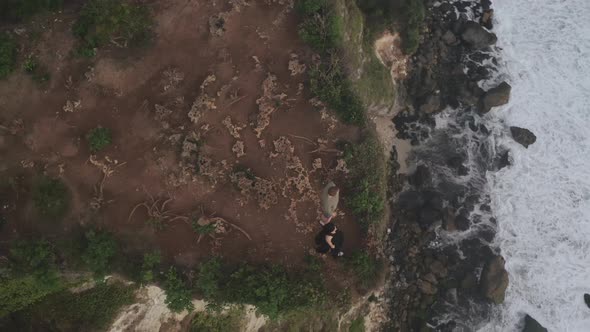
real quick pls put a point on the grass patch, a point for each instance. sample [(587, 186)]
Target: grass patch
[(111, 21), (51, 197), (365, 267), (37, 71), (178, 295), (8, 52), (367, 184), (270, 288), (99, 138), (218, 322)]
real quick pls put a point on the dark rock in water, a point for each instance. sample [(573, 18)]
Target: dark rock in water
[(433, 200), (494, 280), (477, 36), (497, 96), (523, 136), (449, 38), (531, 325), (587, 299), (429, 216), (461, 222), (421, 177), (431, 105), (502, 160), (486, 19), (410, 200)]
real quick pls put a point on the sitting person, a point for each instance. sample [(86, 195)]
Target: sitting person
[(330, 239), (329, 202)]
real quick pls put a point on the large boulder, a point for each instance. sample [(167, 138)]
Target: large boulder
[(497, 96), (531, 325), (494, 280), (523, 136), (476, 36)]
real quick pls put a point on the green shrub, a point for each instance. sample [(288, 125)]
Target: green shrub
[(271, 289), (51, 197), (150, 262), (104, 21), (18, 292), (90, 310), (100, 249), (365, 267), (178, 295), (99, 138), (330, 84), (223, 322), (17, 10), (366, 187), (414, 13), (311, 7), (321, 32), (35, 258), (8, 54)]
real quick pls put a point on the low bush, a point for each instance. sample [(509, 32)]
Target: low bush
[(217, 322), (178, 295), (357, 325), (100, 249), (367, 180), (99, 138), (365, 267), (35, 258), (414, 14), (321, 27), (8, 52), (271, 289), (18, 292), (330, 84), (150, 263), (51, 197), (111, 21)]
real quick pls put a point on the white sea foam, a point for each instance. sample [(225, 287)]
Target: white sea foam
[(542, 202)]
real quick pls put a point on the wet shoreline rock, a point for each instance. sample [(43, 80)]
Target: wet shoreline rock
[(523, 136), (497, 96), (476, 36), (494, 280), (531, 325)]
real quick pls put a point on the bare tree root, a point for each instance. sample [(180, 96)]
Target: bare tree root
[(107, 167)]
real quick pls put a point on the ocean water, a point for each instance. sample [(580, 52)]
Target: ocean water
[(542, 201)]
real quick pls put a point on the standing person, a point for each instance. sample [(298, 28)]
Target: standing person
[(330, 239), (329, 202)]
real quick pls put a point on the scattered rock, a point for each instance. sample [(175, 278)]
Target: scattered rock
[(431, 105), (426, 287), (72, 106), (238, 149), (502, 160), (494, 280), (296, 67), (449, 38), (531, 325), (217, 25), (477, 36), (523, 136), (497, 96)]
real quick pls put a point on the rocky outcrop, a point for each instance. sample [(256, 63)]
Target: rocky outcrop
[(476, 36), (523, 136), (497, 96), (494, 280), (531, 325)]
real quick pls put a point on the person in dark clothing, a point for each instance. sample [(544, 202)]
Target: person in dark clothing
[(330, 239)]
